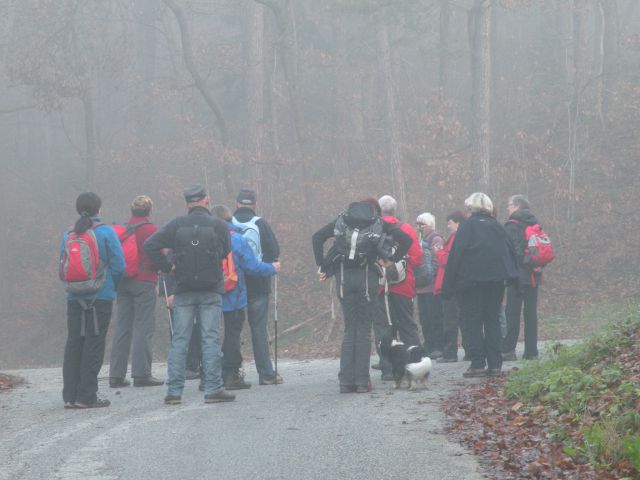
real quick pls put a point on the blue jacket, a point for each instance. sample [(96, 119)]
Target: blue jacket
[(110, 253), (245, 261)]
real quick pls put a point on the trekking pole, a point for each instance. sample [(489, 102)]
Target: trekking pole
[(275, 317), (166, 299)]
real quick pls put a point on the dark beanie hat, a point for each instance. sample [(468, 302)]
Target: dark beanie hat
[(246, 196), (194, 193)]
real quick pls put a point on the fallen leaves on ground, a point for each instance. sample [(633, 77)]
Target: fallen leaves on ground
[(8, 382), (512, 441)]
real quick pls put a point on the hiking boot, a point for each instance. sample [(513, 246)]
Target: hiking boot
[(220, 395), (201, 386), (447, 360), (530, 357), (509, 356), (362, 389), (69, 405), (494, 372), (191, 374), (172, 400), (117, 382), (147, 382), (347, 388), (386, 377), (99, 403), (475, 372), (235, 381), (271, 381), (376, 366)]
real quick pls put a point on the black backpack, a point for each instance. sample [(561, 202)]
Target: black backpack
[(197, 261), (358, 235)]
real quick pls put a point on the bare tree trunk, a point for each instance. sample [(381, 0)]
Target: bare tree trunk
[(90, 140), (579, 74), (610, 52), (255, 86), (480, 47), (146, 45), (444, 34), (392, 128)]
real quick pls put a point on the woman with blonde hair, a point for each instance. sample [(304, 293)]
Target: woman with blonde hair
[(481, 260)]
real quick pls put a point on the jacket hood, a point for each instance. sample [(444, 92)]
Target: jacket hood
[(525, 216), (244, 214)]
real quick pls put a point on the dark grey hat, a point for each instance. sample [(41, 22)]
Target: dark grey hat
[(194, 192), (246, 196)]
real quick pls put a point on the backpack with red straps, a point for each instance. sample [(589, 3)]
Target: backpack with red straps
[(80, 266), (127, 236), (229, 272)]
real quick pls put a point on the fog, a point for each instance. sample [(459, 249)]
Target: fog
[(315, 103)]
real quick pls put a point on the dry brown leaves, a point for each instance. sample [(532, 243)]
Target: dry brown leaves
[(511, 440)]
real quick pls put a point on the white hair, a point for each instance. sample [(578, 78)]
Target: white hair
[(388, 205), (479, 202), (427, 219)]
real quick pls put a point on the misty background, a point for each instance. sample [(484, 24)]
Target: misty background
[(316, 103)]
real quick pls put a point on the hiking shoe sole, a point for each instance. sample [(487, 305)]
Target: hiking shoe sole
[(475, 372), (172, 400)]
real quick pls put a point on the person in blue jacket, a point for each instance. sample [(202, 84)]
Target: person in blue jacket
[(234, 302), (89, 314)]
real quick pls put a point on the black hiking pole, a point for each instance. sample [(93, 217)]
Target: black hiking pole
[(275, 315), (166, 299)]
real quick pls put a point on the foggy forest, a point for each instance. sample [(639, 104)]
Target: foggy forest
[(314, 104)]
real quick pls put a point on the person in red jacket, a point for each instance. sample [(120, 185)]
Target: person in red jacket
[(136, 308), (401, 294), (450, 308)]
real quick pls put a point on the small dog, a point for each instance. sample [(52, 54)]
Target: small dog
[(411, 362)]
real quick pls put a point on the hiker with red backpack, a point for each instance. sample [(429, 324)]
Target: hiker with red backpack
[(91, 265), (534, 250), (136, 302)]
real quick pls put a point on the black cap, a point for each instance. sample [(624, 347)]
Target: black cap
[(246, 196), (194, 193)]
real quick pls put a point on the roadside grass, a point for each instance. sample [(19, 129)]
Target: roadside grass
[(593, 391)]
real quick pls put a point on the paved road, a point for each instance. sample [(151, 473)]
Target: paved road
[(302, 429)]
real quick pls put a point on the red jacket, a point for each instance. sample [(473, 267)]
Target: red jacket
[(408, 287), (147, 271), (443, 258)]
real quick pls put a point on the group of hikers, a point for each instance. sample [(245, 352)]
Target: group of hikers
[(212, 263), (381, 264)]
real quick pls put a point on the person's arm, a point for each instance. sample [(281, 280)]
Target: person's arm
[(516, 232), (221, 230), (248, 262), (454, 260), (163, 238), (268, 242), (402, 240), (318, 239)]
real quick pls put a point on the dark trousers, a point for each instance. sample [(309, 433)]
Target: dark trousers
[(83, 355), (480, 307), (358, 312), (431, 316), (401, 309), (516, 298), (451, 324), (231, 348)]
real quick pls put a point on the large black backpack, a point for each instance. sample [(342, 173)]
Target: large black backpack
[(198, 266), (358, 235)]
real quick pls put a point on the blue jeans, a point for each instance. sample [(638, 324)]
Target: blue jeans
[(258, 314), (207, 306)]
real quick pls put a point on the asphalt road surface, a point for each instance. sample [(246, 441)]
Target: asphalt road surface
[(302, 429)]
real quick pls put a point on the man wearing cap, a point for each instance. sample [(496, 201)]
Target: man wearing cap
[(199, 242), (136, 305), (265, 246)]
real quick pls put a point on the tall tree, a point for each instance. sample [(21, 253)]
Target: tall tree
[(480, 47)]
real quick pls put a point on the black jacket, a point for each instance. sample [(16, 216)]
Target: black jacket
[(393, 230), (515, 227), (481, 252), (165, 237), (270, 251)]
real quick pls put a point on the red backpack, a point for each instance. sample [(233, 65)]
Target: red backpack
[(229, 271), (539, 250), (80, 266), (127, 236)]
